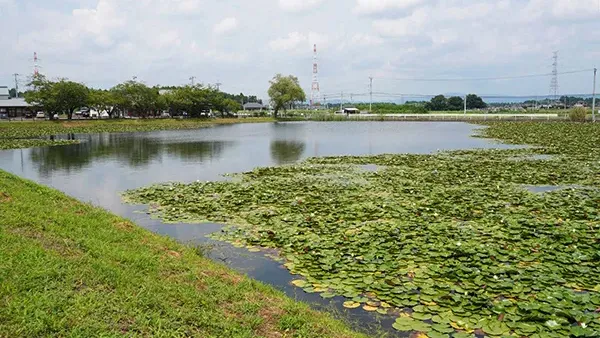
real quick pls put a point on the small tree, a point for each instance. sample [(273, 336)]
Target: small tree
[(284, 92), (136, 97), (455, 103), (42, 95), (103, 100), (578, 114), (438, 103), (70, 95), (475, 102)]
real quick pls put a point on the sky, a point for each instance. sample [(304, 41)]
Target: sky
[(242, 44)]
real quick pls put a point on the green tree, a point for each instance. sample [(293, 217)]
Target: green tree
[(69, 96), (284, 92), (232, 106), (103, 100), (475, 102), (136, 97), (438, 103), (455, 103), (42, 95)]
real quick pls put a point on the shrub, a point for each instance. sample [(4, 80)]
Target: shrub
[(578, 114)]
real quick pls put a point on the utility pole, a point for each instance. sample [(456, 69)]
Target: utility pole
[(370, 94), (16, 75), (342, 101), (218, 84), (325, 101), (466, 103), (594, 97), (192, 80), (351, 99)]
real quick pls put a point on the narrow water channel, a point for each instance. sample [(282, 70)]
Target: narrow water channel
[(104, 165)]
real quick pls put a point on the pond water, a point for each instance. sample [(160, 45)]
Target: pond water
[(104, 165)]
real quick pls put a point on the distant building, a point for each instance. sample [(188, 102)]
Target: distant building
[(12, 107), (254, 106), (4, 93)]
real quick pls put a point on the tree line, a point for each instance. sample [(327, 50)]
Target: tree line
[(455, 103), (131, 98)]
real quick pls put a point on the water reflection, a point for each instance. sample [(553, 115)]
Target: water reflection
[(284, 152), (131, 152)]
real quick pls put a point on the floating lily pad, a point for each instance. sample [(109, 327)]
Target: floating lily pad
[(351, 305), (299, 283), (452, 235)]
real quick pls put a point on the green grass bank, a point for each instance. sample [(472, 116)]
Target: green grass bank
[(68, 269), (23, 134)]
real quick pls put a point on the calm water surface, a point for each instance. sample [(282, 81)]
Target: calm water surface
[(104, 165)]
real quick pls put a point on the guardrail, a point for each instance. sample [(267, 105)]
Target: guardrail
[(457, 117)]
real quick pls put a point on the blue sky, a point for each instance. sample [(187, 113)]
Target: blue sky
[(243, 43)]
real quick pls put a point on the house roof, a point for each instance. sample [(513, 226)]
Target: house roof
[(14, 103), (253, 105)]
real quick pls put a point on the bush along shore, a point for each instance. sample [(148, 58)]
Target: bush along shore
[(453, 244), (71, 269), (31, 133)]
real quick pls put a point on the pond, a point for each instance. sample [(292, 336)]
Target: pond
[(104, 165)]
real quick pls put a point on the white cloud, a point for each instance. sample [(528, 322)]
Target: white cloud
[(298, 5), (226, 25), (292, 41), (296, 41), (381, 6), (366, 40), (103, 42)]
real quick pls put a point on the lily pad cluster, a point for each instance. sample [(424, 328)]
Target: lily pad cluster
[(449, 243)]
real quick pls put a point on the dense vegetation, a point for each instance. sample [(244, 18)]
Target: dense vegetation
[(455, 103), (451, 243), (68, 269), (131, 98)]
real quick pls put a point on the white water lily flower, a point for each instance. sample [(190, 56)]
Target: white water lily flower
[(583, 325), (458, 243), (495, 277), (552, 323)]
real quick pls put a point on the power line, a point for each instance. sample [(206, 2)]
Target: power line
[(485, 78)]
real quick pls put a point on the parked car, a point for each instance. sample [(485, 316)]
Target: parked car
[(3, 116), (94, 114), (40, 115), (165, 115), (104, 115), (28, 115)]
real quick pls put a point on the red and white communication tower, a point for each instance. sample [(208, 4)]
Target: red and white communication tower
[(315, 92)]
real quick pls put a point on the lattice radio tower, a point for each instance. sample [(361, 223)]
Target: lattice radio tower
[(315, 92), (554, 81), (36, 64)]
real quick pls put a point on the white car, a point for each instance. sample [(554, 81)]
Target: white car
[(40, 115), (104, 115)]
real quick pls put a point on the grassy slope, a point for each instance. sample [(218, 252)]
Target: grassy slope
[(11, 133), (71, 269)]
